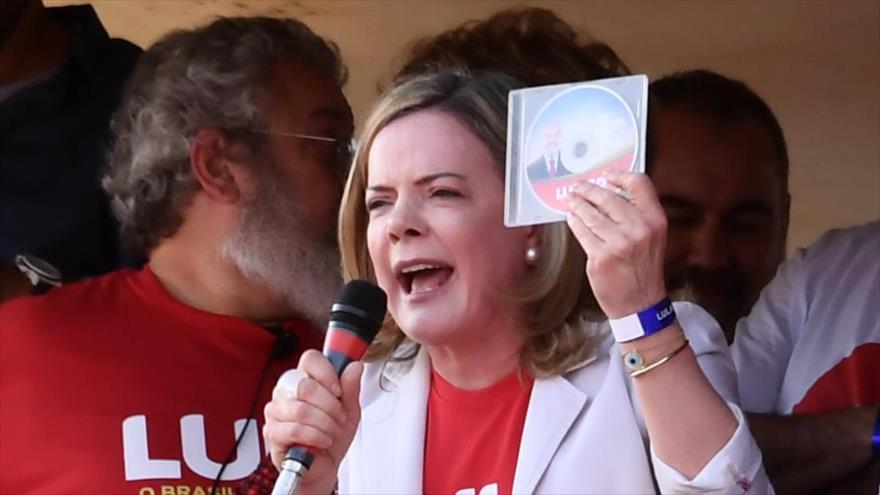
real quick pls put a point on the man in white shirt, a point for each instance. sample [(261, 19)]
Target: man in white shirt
[(808, 363)]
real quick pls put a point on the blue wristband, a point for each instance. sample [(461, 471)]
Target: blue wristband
[(643, 323), (875, 439)]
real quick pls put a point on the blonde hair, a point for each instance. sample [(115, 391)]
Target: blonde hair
[(555, 292)]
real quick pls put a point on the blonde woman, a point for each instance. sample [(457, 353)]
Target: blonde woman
[(497, 372)]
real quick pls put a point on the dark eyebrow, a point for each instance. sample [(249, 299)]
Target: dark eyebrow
[(753, 207), (676, 202), (422, 181), (744, 207)]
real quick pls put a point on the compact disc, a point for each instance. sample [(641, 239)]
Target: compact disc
[(576, 136)]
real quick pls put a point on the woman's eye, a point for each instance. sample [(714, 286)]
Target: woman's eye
[(445, 193), (376, 204)]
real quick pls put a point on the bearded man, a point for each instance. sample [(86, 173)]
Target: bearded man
[(232, 145), (720, 165)]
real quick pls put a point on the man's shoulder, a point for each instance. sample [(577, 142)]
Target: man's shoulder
[(840, 256), (84, 299), (846, 242), (561, 162), (539, 164)]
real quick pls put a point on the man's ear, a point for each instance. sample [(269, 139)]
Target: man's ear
[(211, 166)]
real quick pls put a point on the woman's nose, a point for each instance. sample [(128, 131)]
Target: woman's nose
[(405, 221)]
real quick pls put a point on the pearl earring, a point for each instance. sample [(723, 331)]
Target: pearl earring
[(531, 255)]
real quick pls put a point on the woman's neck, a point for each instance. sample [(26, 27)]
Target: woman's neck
[(476, 365)]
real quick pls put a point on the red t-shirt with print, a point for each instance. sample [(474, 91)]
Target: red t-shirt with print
[(473, 437), (112, 386)]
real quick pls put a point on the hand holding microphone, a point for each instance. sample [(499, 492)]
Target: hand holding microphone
[(315, 407)]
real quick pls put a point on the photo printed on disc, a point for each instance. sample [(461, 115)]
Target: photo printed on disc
[(579, 134)]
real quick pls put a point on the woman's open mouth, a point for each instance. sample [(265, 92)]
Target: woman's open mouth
[(419, 278)]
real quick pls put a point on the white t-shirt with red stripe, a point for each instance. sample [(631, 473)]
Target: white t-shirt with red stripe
[(812, 342)]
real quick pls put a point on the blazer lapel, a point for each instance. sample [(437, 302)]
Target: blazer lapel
[(397, 426), (553, 407)]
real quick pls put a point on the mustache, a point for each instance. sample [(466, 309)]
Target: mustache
[(724, 281)]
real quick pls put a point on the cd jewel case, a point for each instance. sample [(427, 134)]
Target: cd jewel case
[(563, 134)]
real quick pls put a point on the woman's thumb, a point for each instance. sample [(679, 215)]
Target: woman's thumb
[(351, 390)]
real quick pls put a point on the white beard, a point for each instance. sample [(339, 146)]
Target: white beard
[(277, 246)]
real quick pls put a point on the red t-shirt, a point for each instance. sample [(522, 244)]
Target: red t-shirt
[(111, 386), (472, 438)]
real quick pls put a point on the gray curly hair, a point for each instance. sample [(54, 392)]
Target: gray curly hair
[(190, 80)]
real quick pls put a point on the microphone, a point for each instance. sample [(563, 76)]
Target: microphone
[(355, 318)]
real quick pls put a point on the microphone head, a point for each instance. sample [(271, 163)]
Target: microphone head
[(362, 305)]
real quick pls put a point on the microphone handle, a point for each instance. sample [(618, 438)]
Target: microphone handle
[(338, 360), (288, 478)]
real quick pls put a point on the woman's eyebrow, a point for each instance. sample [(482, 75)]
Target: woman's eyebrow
[(421, 181)]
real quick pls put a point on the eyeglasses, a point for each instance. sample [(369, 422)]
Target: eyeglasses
[(343, 149)]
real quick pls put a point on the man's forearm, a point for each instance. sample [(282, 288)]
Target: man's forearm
[(804, 453), (865, 482)]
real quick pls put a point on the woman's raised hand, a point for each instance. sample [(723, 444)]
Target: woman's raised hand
[(313, 407), (624, 241)]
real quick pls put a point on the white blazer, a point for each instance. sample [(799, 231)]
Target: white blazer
[(583, 433)]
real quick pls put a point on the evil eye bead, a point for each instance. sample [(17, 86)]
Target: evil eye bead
[(633, 361)]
